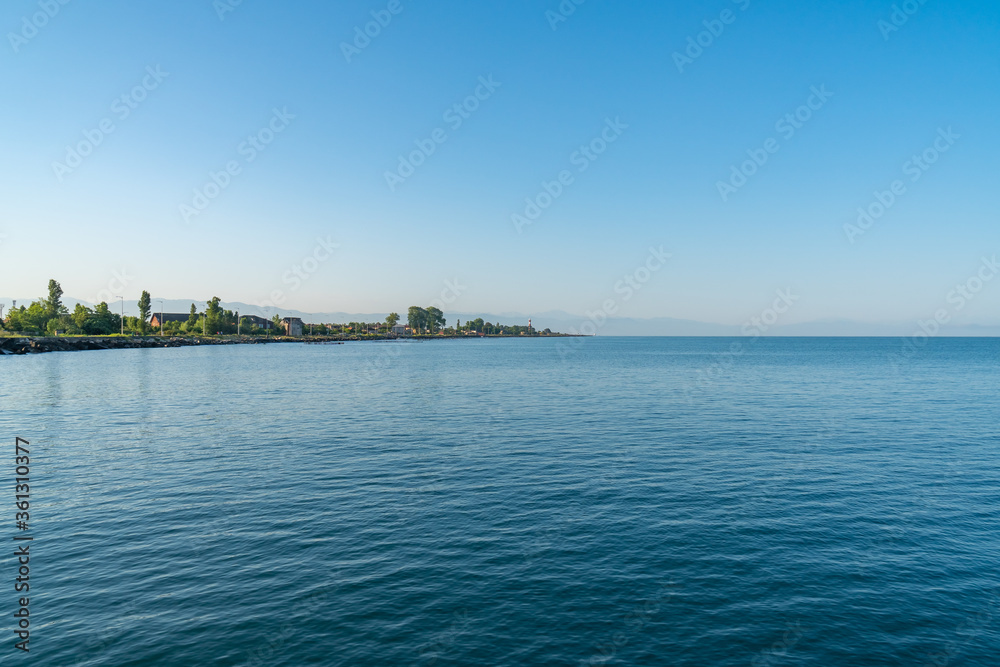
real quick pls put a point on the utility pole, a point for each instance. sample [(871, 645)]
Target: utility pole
[(123, 313), (161, 316), (237, 323)]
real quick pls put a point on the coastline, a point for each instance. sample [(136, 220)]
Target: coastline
[(40, 344)]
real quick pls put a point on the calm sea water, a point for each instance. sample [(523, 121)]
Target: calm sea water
[(608, 501)]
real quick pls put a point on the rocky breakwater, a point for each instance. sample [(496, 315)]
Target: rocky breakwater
[(74, 344)]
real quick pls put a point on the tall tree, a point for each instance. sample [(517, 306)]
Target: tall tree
[(435, 319), (144, 307), (392, 320), (104, 322), (192, 317), (416, 318), (81, 314), (54, 304), (38, 315), (213, 316)]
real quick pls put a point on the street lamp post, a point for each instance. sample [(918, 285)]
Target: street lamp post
[(161, 316), (237, 323), (123, 313)]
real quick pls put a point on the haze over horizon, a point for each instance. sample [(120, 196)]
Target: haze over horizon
[(277, 154)]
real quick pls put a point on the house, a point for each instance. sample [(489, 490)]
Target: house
[(160, 318), (293, 326), (260, 322), (399, 329)]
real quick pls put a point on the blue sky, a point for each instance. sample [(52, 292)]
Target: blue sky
[(323, 176)]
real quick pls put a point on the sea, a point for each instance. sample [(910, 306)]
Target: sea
[(543, 501)]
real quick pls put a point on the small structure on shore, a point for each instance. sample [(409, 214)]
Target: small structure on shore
[(293, 326), (259, 322)]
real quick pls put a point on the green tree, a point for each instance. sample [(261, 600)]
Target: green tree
[(392, 320), (15, 319), (53, 304), (144, 307), (103, 321), (133, 324), (435, 319), (37, 316), (81, 314), (213, 316), (416, 318), (228, 322), (63, 324), (192, 317)]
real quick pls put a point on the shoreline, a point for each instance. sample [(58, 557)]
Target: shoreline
[(40, 344)]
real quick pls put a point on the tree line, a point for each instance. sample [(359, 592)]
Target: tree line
[(48, 315), (431, 321)]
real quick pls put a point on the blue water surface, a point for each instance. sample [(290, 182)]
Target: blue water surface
[(604, 501)]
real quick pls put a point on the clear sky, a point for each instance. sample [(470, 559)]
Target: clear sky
[(200, 78)]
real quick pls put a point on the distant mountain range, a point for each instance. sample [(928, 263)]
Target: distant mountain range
[(557, 320)]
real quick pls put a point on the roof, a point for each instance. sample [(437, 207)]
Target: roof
[(171, 317)]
